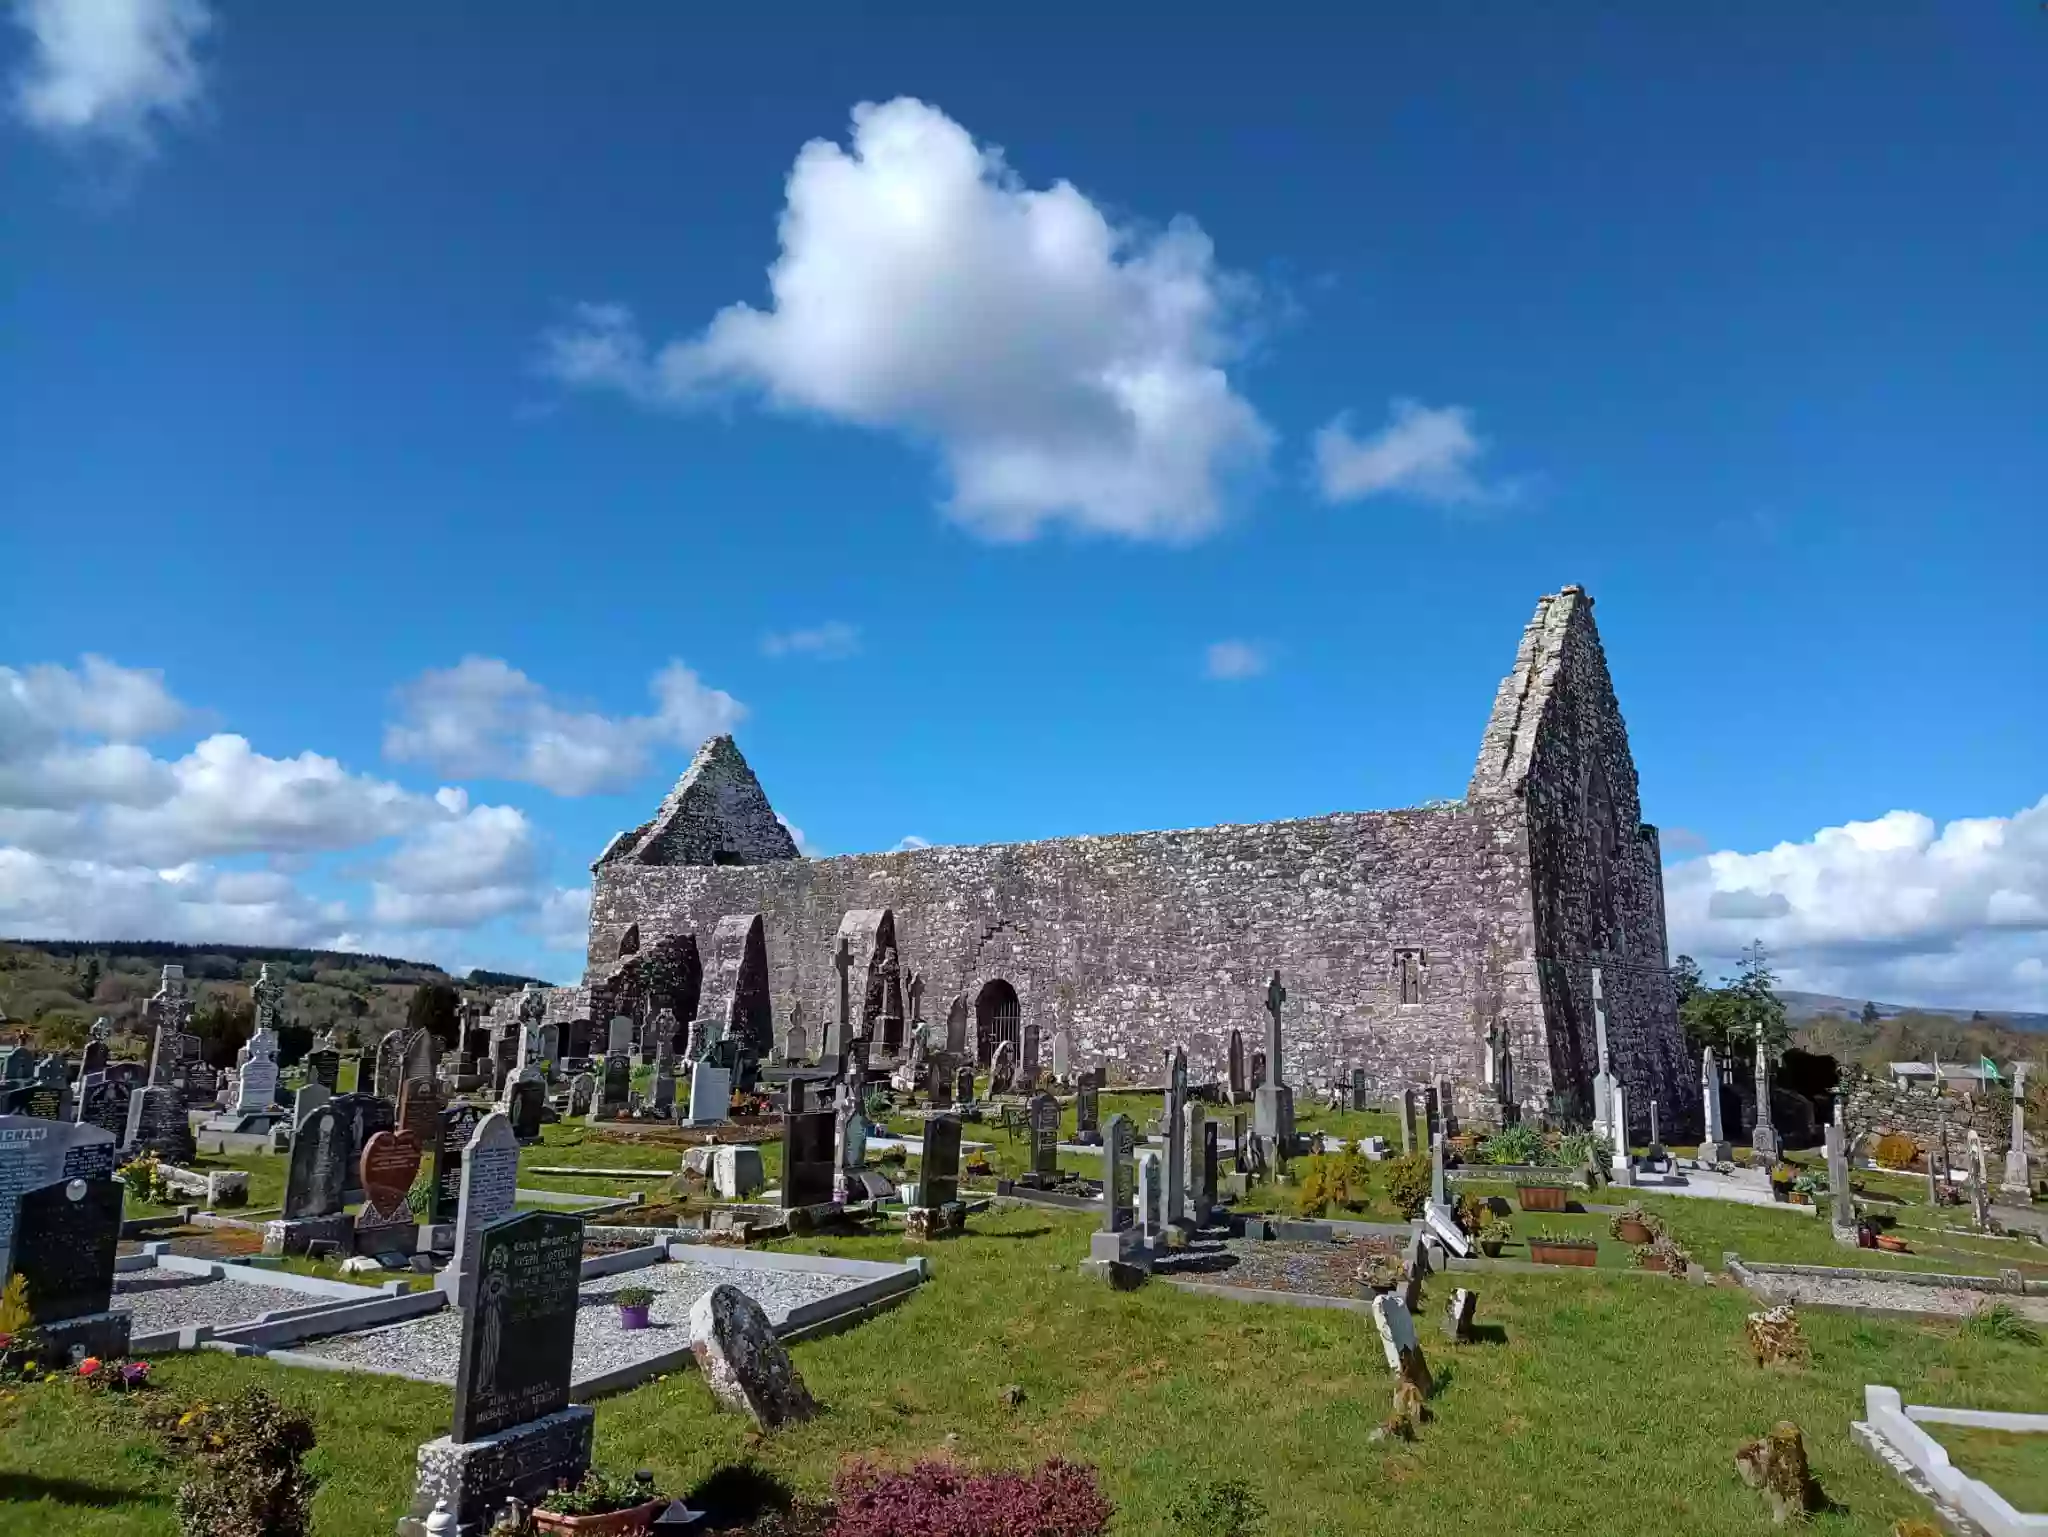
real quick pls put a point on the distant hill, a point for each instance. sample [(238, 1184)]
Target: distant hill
[(55, 989), (1800, 1007)]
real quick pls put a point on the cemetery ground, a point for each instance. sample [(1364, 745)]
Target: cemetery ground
[(1594, 1402)]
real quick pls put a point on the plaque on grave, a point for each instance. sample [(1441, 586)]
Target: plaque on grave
[(938, 1171), (1045, 1138), (318, 1175), (519, 1326), (618, 1083), (65, 1236), (43, 1101), (809, 1149), (454, 1127), (1358, 1089), (529, 1098), (1120, 1173)]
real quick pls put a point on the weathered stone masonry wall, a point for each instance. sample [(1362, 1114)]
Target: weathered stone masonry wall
[(1140, 940)]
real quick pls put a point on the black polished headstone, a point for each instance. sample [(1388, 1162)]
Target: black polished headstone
[(65, 1238), (808, 1148), (1045, 1136), (1087, 1111), (938, 1171), (519, 1328), (529, 1097), (324, 1068), (457, 1123)]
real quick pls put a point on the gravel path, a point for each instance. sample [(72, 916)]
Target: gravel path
[(173, 1301), (428, 1347), (1326, 1269), (1894, 1296)]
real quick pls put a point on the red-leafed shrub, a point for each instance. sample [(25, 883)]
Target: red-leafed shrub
[(936, 1499)]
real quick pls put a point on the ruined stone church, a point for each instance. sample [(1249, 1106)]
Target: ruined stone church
[(1454, 941)]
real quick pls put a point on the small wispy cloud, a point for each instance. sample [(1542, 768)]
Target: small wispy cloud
[(909, 841), (1230, 660), (804, 846), (1429, 454), (832, 641)]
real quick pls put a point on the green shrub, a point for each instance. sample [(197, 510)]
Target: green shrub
[(250, 1481), (1520, 1143), (1408, 1183), (1999, 1321), (1342, 1180)]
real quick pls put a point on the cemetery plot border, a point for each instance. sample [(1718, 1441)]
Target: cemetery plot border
[(804, 1294), (1891, 1431), (179, 1303)]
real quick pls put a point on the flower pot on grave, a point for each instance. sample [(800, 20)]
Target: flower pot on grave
[(613, 1523), (1491, 1247), (632, 1315), (1631, 1232), (1540, 1197), (1555, 1251)]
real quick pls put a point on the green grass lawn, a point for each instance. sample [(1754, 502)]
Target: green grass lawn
[(1594, 1404), (2015, 1465)]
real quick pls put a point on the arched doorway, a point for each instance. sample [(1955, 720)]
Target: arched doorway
[(998, 1017)]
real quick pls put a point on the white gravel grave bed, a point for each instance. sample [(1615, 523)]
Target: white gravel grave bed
[(427, 1347), (158, 1301)]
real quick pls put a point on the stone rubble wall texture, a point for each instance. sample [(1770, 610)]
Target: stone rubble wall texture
[(1885, 1107), (1137, 941)]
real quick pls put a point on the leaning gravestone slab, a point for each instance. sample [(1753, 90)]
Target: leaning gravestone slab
[(744, 1364), (65, 1238), (1458, 1316), (519, 1325)]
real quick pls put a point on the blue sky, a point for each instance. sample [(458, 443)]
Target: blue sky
[(1122, 423)]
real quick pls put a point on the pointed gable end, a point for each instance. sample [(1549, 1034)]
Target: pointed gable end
[(717, 814)]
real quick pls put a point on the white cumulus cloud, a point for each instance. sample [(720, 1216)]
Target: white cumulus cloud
[(113, 71), (909, 841), (100, 838), (1426, 453), (1230, 660), (1897, 909), (1066, 368), (832, 641), (484, 718)]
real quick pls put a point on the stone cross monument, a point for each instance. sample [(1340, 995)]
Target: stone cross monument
[(1273, 1101), (2019, 1175), (1715, 1148), (1764, 1140)]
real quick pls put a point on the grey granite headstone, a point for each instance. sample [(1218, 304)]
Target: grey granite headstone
[(489, 1187), (453, 1129), (1044, 1113), (319, 1171)]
